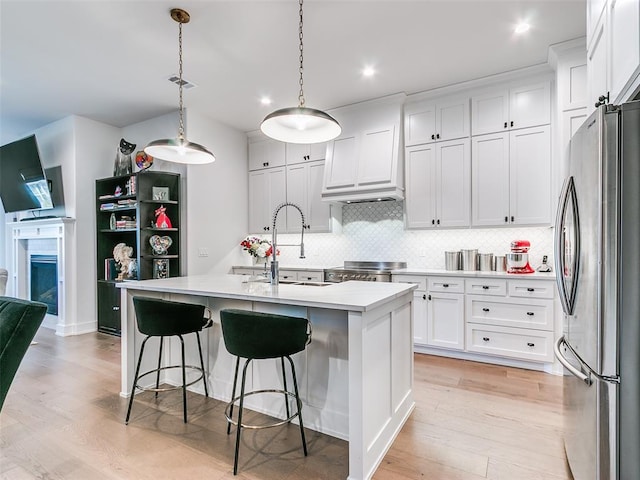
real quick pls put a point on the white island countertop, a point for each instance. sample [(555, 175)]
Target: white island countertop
[(352, 295)]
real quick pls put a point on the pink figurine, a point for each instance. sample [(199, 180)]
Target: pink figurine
[(162, 221)]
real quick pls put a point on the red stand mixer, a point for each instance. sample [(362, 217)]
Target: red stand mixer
[(518, 259)]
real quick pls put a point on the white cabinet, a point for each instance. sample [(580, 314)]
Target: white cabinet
[(300, 153), (266, 153), (613, 50), (438, 179), (445, 314), (429, 121), (304, 187), (342, 163), (419, 306), (505, 109), (267, 190), (511, 178)]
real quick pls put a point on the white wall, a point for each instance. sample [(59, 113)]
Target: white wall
[(95, 148), (217, 197)]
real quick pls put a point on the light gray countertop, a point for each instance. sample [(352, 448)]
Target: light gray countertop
[(351, 296)]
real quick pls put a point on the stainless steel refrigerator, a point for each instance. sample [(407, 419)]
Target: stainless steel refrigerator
[(597, 240)]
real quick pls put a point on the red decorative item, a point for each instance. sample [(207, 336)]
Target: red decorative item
[(162, 221)]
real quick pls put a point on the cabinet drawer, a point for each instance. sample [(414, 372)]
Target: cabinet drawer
[(310, 276), (446, 284), (520, 343), (486, 286), (536, 314), (531, 289), (290, 275), (415, 279)]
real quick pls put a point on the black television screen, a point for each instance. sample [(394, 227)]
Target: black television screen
[(23, 184)]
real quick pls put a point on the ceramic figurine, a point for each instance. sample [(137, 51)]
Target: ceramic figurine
[(162, 221), (122, 255), (123, 164)]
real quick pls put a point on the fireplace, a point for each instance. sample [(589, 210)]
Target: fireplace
[(44, 281)]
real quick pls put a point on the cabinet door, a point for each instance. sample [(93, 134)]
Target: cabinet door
[(297, 192), (376, 164), (445, 320), (296, 153), (420, 205), (490, 112), (419, 317), (419, 124), (490, 179), (530, 105), (342, 163), (597, 66), (267, 190), (595, 8), (108, 308), (453, 187), (266, 153), (624, 48), (530, 176), (452, 119)]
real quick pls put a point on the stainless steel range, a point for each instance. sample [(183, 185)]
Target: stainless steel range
[(363, 271)]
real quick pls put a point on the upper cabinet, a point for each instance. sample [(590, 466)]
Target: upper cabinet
[(365, 162), (505, 109), (300, 153), (304, 185), (511, 174), (613, 50), (266, 153), (267, 190), (429, 121)]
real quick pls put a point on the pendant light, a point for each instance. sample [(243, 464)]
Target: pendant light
[(179, 150), (300, 124)]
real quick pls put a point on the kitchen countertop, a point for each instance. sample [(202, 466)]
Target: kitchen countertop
[(351, 296), (476, 274)]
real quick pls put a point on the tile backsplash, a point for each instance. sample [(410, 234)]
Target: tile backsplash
[(375, 231)]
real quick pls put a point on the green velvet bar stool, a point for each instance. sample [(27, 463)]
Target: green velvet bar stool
[(165, 318), (257, 336)]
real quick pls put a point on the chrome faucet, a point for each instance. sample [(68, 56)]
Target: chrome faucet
[(274, 245)]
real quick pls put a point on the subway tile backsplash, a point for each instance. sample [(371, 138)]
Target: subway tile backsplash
[(375, 232)]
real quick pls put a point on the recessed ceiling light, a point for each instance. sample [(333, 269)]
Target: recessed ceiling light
[(522, 27), (368, 71), (265, 101)]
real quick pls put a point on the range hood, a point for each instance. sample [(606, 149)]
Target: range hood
[(365, 163)]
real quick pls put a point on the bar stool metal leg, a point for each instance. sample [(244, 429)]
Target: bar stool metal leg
[(135, 381), (159, 365), (184, 381), (233, 394), (239, 427), (299, 405), (284, 380), (204, 379)]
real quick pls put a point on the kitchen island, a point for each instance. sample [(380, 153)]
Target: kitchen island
[(356, 376)]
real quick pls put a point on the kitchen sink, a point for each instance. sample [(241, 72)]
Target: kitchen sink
[(290, 282)]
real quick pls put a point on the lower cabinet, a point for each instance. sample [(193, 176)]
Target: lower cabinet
[(491, 316), (108, 308)]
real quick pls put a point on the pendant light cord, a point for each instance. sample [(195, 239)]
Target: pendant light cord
[(301, 94), (181, 127)]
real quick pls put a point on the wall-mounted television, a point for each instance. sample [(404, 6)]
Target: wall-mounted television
[(23, 184)]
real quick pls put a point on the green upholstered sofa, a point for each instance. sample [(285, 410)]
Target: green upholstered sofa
[(19, 321)]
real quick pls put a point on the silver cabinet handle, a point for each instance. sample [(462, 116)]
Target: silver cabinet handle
[(115, 309)]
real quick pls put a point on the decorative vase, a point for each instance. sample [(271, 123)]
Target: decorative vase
[(259, 260)]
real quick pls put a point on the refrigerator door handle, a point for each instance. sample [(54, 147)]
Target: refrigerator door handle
[(565, 363), (560, 246)]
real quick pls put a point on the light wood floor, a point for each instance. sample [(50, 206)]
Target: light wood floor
[(63, 419)]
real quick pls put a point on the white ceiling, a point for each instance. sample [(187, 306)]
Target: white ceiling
[(110, 60)]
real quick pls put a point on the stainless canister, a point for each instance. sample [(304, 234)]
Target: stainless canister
[(452, 260), (485, 262), (470, 259), (500, 263)]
